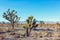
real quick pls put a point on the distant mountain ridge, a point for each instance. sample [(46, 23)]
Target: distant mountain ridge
[(49, 22), (23, 22)]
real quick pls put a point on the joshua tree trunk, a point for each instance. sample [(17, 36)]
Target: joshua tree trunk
[(12, 24), (27, 32)]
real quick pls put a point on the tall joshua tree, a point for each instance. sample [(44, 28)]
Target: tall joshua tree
[(30, 23), (11, 17)]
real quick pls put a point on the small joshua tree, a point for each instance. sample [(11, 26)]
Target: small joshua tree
[(41, 23), (11, 17)]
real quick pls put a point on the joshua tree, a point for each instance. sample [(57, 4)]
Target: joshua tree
[(11, 17), (41, 23), (30, 23), (58, 24)]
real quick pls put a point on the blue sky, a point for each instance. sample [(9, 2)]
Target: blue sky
[(46, 10)]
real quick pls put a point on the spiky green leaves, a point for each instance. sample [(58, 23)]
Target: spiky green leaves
[(11, 16)]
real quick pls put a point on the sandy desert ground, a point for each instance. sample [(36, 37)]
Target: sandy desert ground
[(49, 32)]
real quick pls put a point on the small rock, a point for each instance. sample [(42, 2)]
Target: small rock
[(12, 33)]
